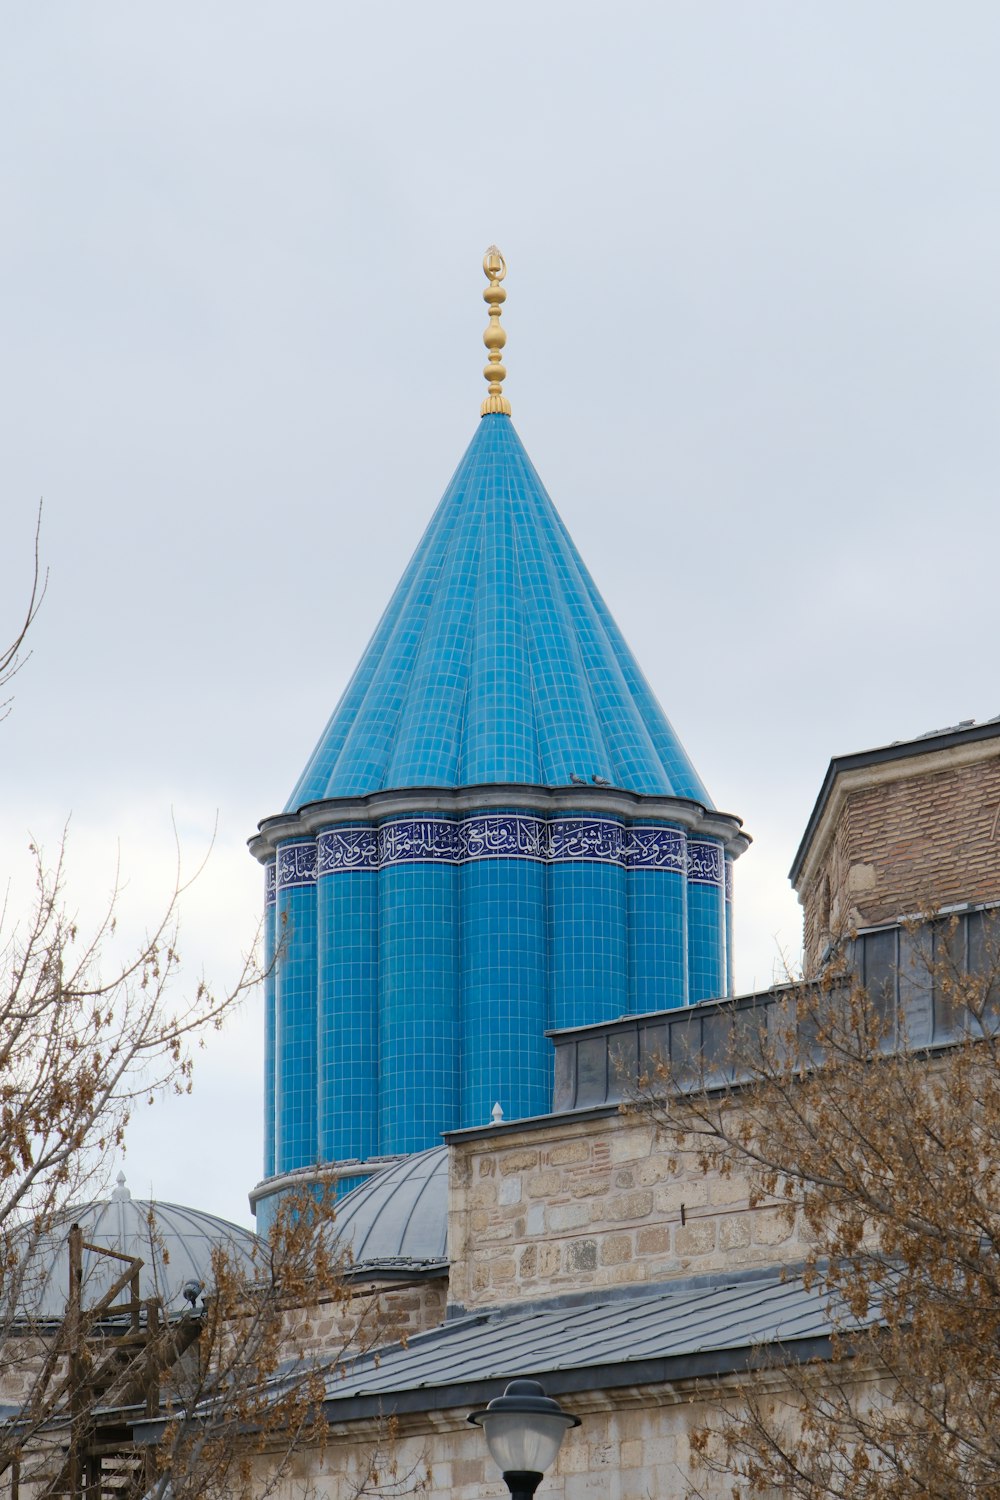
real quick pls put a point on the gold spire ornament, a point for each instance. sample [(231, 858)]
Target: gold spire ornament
[(494, 338)]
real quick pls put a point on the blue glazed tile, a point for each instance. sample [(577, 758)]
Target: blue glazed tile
[(269, 1020), (496, 660), (295, 1143), (419, 961)]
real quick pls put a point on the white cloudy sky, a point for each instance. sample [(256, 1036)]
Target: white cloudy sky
[(754, 346)]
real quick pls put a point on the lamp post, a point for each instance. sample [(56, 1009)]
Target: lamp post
[(524, 1429)]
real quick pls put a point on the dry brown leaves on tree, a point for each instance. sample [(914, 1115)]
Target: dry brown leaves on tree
[(888, 1156)]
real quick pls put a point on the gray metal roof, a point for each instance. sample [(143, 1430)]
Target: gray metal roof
[(398, 1219), (699, 1327), (174, 1243), (668, 1333)]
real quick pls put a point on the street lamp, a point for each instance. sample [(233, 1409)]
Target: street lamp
[(523, 1428)]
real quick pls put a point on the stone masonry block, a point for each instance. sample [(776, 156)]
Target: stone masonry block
[(726, 1190), (581, 1255), (653, 1241), (569, 1216), (772, 1226), (544, 1184), (593, 1185), (630, 1453), (548, 1260), (695, 1239), (630, 1205), (518, 1161), (496, 1232), (466, 1471), (568, 1153), (734, 1231), (616, 1249), (630, 1145), (670, 1197)]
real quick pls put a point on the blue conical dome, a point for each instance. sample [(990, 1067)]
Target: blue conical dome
[(497, 660), (498, 834)]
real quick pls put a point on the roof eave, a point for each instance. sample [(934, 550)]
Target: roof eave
[(840, 765)]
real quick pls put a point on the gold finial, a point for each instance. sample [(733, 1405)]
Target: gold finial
[(494, 338)]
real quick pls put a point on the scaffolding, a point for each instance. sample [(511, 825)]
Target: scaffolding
[(114, 1356)]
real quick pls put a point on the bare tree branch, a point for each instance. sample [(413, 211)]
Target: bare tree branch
[(11, 660), (886, 1155)]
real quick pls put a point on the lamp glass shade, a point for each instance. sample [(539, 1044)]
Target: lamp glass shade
[(524, 1441)]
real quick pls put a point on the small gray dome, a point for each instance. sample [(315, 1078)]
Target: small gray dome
[(174, 1243), (399, 1217)]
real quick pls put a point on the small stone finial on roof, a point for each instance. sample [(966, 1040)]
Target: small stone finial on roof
[(494, 338), (496, 1113), (121, 1193)]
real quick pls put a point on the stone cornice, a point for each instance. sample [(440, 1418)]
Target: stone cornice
[(320, 1173), (548, 801)]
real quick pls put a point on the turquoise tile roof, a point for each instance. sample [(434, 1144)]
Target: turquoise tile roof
[(497, 660)]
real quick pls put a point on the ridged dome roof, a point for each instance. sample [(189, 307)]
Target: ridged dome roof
[(497, 660), (174, 1243), (399, 1216)]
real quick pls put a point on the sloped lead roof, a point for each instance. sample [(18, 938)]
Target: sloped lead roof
[(595, 1341), (497, 660), (625, 1337)]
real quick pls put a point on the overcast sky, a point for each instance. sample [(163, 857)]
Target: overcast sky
[(753, 341)]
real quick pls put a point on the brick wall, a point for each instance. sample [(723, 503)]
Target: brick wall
[(900, 837)]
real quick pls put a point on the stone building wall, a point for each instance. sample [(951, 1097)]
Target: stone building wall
[(900, 836), (632, 1445), (371, 1314), (20, 1365), (574, 1204)]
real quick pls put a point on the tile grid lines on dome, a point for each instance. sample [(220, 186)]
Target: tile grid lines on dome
[(614, 678), (496, 659)]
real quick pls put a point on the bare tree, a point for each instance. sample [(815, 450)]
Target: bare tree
[(126, 1396), (83, 1041), (85, 1034), (85, 1037), (888, 1154), (235, 1419)]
